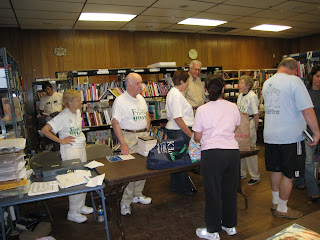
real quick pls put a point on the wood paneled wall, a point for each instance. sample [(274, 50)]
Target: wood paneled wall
[(115, 49)]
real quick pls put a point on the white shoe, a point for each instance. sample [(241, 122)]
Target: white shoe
[(76, 217), (202, 233), (230, 231), (86, 210), (125, 210), (142, 199)]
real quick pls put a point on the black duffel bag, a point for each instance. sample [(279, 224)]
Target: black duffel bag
[(169, 153)]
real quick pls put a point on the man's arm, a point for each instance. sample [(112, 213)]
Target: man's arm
[(148, 120), (311, 119), (118, 132), (182, 125)]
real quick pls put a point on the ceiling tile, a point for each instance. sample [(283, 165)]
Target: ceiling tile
[(102, 8), (168, 12), (179, 30), (141, 3), (45, 22), (183, 5), (100, 24), (256, 20), (274, 14), (309, 1), (5, 4), (209, 1), (46, 27), (47, 5), (294, 6), (46, 15), (232, 31), (145, 26), (190, 27), (233, 10), (315, 11), (254, 3), (157, 19), (305, 18), (296, 23), (216, 16), (239, 25), (8, 21), (96, 28)]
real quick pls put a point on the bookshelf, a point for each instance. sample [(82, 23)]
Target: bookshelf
[(12, 98), (154, 93)]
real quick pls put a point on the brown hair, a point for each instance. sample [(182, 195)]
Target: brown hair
[(179, 76)]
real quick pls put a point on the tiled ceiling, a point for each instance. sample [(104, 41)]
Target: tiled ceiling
[(163, 15)]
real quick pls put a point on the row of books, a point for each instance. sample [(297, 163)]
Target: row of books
[(158, 132), (95, 118), (14, 77), (157, 109), (154, 89), (116, 92), (89, 92)]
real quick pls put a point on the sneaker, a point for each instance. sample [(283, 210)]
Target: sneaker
[(86, 210), (202, 233), (142, 199), (125, 210), (291, 214), (274, 206), (230, 231), (253, 182), (243, 176), (76, 217)]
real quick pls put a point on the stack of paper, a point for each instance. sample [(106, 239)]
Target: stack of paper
[(71, 179), (118, 158), (145, 144), (38, 188)]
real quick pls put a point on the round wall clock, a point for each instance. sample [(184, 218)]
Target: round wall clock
[(193, 54), (60, 51)]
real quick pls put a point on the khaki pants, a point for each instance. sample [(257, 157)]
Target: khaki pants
[(251, 162), (77, 201), (134, 189)]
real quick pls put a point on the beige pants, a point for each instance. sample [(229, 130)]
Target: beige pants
[(251, 162), (77, 201), (134, 189)]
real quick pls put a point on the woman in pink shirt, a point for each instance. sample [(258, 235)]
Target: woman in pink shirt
[(214, 127)]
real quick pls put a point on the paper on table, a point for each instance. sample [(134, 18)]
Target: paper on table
[(38, 188), (98, 180), (94, 164), (82, 173), (70, 180), (126, 157)]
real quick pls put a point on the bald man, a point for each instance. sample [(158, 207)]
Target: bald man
[(130, 120)]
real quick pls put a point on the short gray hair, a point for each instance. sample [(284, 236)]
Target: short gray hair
[(195, 62), (289, 63), (247, 80)]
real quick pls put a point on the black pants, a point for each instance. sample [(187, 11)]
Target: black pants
[(179, 182), (220, 174)]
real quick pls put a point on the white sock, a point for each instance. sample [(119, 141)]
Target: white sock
[(275, 197), (282, 205)]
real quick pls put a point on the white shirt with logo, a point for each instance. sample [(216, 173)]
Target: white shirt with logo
[(130, 112), (68, 124)]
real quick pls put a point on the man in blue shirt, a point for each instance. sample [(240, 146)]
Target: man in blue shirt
[(288, 107)]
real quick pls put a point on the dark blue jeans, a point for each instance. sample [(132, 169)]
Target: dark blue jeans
[(179, 182)]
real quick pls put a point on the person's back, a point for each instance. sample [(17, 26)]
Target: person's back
[(284, 100)]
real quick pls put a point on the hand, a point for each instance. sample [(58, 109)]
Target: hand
[(68, 140), (315, 142), (124, 149)]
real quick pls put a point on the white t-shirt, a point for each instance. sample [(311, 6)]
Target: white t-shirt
[(248, 103), (68, 124), (130, 112), (285, 96), (51, 104), (178, 106)]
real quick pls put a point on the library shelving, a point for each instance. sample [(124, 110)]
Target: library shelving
[(154, 92), (12, 97)]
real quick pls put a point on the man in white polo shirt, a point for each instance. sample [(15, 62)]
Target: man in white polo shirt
[(130, 120)]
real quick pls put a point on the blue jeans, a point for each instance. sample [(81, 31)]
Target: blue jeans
[(309, 177)]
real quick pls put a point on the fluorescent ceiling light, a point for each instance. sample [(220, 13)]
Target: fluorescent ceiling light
[(111, 17), (201, 22), (270, 28)]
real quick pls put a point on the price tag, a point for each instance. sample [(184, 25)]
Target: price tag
[(103, 71), (139, 70), (82, 73), (154, 69), (122, 71)]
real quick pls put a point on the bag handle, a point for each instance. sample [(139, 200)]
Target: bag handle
[(176, 153)]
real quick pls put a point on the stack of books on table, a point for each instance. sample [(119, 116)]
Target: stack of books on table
[(13, 172), (145, 144)]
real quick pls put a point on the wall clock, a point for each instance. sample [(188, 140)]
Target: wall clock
[(60, 51), (193, 54)]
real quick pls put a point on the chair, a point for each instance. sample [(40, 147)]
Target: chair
[(95, 151)]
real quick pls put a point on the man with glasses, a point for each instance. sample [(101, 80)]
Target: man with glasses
[(51, 103)]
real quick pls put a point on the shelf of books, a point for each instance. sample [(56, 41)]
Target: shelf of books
[(11, 92)]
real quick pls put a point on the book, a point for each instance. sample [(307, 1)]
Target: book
[(39, 188), (7, 109), (308, 136), (295, 232), (119, 158)]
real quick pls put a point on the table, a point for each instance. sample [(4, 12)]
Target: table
[(120, 173), (21, 199)]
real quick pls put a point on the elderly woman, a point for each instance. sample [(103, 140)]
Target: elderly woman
[(248, 102), (180, 119), (214, 127), (68, 124)]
